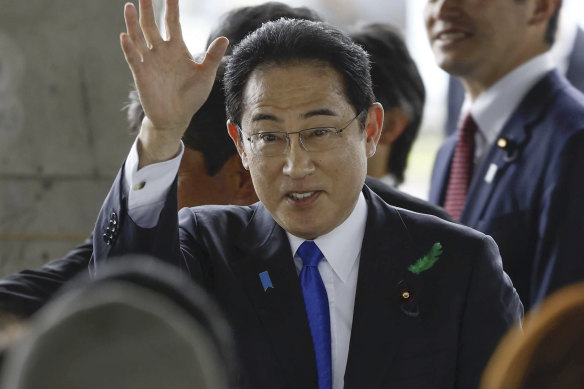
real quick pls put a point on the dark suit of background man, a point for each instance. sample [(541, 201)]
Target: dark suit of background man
[(211, 171), (413, 301), (526, 189)]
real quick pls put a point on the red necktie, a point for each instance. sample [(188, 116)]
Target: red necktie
[(461, 168)]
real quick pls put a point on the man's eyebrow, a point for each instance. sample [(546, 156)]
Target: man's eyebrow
[(319, 112), (264, 116)]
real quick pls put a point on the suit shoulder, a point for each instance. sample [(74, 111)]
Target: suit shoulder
[(400, 199), (567, 109), (219, 214), (419, 224)]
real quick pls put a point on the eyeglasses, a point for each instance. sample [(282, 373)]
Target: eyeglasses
[(273, 143)]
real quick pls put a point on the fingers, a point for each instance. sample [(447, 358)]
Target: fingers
[(133, 57), (173, 27), (216, 51), (133, 28), (148, 24)]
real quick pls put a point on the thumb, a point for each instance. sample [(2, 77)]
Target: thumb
[(215, 52)]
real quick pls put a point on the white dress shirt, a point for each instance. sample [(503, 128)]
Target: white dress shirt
[(147, 188), (494, 107)]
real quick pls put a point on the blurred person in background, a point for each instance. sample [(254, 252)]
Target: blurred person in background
[(399, 88), (514, 168), (548, 352), (239, 22)]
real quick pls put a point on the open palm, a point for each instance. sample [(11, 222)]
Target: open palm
[(171, 85)]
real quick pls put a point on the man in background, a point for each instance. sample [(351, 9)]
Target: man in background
[(567, 52), (514, 169), (399, 88)]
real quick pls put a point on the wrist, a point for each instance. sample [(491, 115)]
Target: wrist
[(157, 145)]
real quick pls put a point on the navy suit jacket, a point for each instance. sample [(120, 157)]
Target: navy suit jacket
[(439, 337), (534, 206), (25, 292)]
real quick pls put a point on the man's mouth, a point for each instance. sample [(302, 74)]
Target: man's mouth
[(302, 198), (451, 36)]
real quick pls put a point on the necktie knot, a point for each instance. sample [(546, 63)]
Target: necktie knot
[(309, 253), (468, 129)]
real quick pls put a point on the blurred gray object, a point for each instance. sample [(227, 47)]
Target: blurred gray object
[(140, 325)]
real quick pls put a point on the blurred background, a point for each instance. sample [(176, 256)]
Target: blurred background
[(64, 82)]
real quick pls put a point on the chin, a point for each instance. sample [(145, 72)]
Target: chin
[(303, 230)]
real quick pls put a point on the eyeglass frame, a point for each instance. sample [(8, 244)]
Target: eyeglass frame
[(335, 131)]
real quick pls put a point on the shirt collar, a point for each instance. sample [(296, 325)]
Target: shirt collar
[(494, 107), (341, 247)]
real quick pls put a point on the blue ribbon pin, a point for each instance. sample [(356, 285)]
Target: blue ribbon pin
[(266, 281)]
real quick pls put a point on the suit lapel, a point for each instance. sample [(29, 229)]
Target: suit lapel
[(441, 170), (380, 311), (280, 308), (517, 131)]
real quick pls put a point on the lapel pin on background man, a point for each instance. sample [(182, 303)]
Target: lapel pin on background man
[(302, 114)]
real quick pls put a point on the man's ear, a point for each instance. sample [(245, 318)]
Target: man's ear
[(373, 126), (233, 132), (395, 121), (543, 11)]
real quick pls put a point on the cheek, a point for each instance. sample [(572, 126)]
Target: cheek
[(427, 15), (350, 165), (263, 175)]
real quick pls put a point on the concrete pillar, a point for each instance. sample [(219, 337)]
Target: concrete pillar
[(63, 134)]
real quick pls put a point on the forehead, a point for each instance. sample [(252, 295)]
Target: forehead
[(294, 87)]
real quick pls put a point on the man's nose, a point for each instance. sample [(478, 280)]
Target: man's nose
[(299, 162), (444, 9)]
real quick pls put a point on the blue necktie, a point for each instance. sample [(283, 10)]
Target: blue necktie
[(317, 311)]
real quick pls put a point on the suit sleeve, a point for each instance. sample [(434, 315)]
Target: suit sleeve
[(116, 234), (26, 292), (492, 307), (559, 253)]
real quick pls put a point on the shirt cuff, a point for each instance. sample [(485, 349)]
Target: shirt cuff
[(146, 189)]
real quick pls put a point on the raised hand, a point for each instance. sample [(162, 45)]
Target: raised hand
[(171, 85)]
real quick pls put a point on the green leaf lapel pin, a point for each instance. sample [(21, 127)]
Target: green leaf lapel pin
[(428, 260)]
